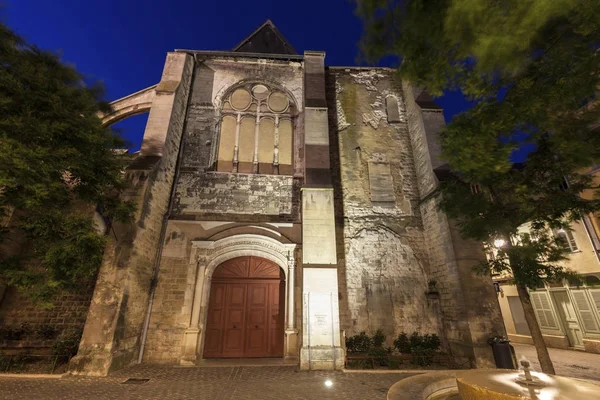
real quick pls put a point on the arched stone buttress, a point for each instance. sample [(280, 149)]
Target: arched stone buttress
[(128, 106), (207, 256)]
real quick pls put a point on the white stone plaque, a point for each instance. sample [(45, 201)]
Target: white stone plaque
[(318, 227)]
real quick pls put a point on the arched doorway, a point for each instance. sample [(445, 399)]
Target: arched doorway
[(245, 310)]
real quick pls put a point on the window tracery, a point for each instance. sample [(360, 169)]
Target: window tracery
[(256, 131)]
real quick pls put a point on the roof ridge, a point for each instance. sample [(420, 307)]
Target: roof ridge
[(269, 23)]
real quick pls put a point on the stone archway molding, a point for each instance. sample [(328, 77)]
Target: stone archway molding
[(208, 255), (219, 251)]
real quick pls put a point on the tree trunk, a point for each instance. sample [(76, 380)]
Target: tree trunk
[(536, 332)]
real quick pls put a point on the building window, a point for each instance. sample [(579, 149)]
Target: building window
[(518, 315), (592, 281), (543, 309), (256, 131), (566, 236), (586, 312)]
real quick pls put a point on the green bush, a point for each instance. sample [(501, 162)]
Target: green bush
[(422, 347), (415, 340), (380, 356), (432, 341), (360, 343), (379, 338), (402, 344)]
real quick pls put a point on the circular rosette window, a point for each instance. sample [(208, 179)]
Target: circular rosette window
[(240, 99), (260, 92), (278, 102)]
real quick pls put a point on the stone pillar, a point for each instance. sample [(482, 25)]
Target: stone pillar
[(321, 340), (191, 336), (291, 333), (112, 333), (290, 301)]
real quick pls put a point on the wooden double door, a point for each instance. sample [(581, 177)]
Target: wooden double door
[(246, 310)]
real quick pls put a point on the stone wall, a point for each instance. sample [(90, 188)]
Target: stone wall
[(384, 267), (207, 195), (227, 195), (68, 314), (203, 194), (112, 333), (170, 317), (469, 308)]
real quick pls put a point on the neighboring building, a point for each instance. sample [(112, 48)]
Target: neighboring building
[(283, 204), (568, 313)]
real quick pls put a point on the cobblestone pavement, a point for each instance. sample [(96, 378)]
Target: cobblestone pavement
[(250, 383), (170, 383), (571, 363)]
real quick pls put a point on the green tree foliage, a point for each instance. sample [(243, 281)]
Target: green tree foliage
[(532, 69), (56, 163)]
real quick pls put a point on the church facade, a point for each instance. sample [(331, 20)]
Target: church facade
[(283, 205)]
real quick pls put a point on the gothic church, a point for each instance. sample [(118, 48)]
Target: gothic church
[(283, 205)]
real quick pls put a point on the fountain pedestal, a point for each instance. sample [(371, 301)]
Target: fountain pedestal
[(504, 385)]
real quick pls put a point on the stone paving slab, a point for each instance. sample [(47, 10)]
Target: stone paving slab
[(219, 383)]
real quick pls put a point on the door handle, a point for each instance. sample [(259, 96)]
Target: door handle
[(234, 327), (256, 326)]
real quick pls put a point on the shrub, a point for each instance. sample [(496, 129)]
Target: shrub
[(422, 347), (360, 343), (380, 356), (379, 338), (432, 342), (416, 340), (402, 344)]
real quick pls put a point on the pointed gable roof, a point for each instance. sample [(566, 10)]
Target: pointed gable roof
[(265, 39)]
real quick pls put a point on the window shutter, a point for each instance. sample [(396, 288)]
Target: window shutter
[(587, 315), (572, 242), (543, 310), (546, 305), (596, 297)]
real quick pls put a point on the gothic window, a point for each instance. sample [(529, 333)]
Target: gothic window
[(256, 131)]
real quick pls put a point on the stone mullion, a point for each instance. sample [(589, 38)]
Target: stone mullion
[(276, 147), (256, 132), (236, 147)]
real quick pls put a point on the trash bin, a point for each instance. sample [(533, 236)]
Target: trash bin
[(503, 355)]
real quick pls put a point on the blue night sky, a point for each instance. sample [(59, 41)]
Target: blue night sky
[(124, 42)]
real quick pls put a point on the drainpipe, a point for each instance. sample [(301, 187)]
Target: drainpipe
[(163, 230)]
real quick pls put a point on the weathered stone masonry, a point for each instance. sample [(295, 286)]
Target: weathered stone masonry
[(385, 267), (469, 312), (352, 223), (111, 338)]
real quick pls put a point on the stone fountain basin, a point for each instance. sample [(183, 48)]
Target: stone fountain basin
[(492, 384), (425, 386)]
